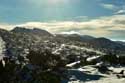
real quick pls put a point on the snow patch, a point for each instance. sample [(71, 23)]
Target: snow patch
[(2, 48), (92, 58), (72, 64)]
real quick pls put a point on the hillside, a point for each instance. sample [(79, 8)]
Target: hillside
[(31, 54)]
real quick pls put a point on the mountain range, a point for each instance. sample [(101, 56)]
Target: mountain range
[(33, 55), (21, 38)]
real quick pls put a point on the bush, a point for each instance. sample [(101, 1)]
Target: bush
[(122, 60), (111, 59)]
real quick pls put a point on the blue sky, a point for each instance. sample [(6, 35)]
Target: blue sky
[(18, 11), (21, 12)]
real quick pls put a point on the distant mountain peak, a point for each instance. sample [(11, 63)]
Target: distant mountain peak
[(103, 39), (35, 31)]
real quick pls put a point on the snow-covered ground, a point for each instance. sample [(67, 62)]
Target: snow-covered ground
[(72, 64), (2, 48), (76, 50), (110, 79), (89, 74), (92, 58)]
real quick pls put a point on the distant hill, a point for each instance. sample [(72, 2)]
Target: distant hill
[(101, 43), (120, 42), (75, 37), (34, 31), (107, 45)]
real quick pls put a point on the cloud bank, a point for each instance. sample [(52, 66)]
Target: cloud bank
[(106, 26), (109, 6)]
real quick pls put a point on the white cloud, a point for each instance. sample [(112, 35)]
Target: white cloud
[(70, 32), (6, 26), (102, 26), (106, 26), (120, 12), (109, 6)]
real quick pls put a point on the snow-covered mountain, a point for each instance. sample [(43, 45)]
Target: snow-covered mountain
[(33, 53), (103, 44), (120, 42), (34, 31), (107, 45), (23, 38), (75, 37)]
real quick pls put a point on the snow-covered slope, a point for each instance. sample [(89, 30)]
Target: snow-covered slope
[(2, 48), (89, 74)]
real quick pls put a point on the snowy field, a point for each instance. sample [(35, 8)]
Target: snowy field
[(89, 74)]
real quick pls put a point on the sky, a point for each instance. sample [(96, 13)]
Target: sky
[(99, 18)]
